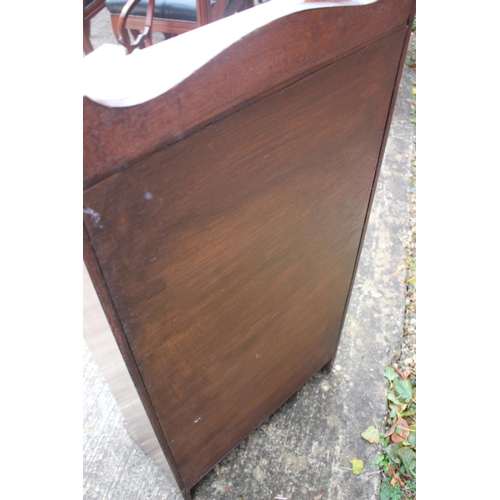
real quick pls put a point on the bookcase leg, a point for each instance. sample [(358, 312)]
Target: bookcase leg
[(328, 367), (186, 494)]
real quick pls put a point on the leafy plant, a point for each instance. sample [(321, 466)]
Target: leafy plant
[(411, 61), (413, 114), (398, 458), (388, 492)]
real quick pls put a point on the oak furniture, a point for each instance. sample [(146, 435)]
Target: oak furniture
[(226, 198)]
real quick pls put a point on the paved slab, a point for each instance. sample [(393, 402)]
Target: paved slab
[(303, 451)]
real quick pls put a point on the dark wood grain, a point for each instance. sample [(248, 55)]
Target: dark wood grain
[(114, 321), (277, 56), (229, 255)]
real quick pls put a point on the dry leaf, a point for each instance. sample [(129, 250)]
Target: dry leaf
[(401, 374), (390, 470), (396, 438), (391, 430), (357, 466), (399, 437), (395, 479), (400, 408), (403, 424), (371, 434)]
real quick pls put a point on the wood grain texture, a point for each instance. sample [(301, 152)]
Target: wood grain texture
[(277, 56), (114, 321), (229, 255)]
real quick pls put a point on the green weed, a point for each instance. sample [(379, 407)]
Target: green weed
[(398, 458)]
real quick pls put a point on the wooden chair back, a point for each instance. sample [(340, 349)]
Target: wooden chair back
[(143, 29), (90, 9)]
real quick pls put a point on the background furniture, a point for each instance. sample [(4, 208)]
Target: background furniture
[(224, 214), (170, 17), (90, 9)]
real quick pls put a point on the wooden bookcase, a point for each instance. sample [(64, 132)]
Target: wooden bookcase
[(227, 188)]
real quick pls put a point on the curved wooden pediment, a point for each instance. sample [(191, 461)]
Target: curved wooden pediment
[(235, 60)]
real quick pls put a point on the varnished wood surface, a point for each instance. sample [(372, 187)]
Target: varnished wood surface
[(115, 323), (229, 255), (278, 54)]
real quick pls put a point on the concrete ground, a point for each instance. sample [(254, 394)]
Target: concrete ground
[(303, 451)]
